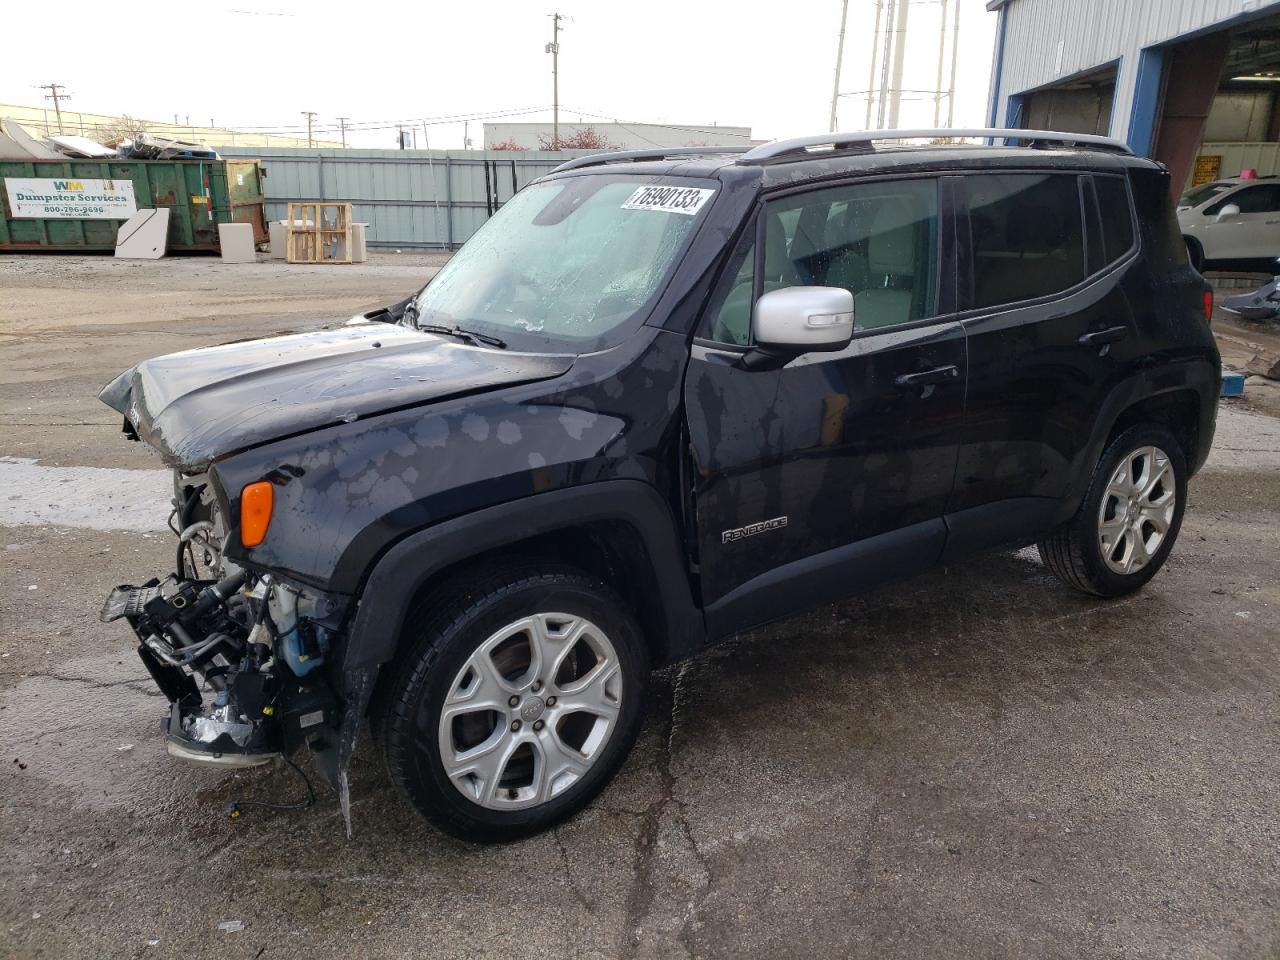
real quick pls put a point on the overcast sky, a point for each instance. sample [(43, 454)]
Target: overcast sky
[(258, 63)]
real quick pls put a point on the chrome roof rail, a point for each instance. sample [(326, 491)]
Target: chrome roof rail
[(636, 156), (806, 146)]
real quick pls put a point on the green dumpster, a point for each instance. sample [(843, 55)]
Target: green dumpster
[(78, 205)]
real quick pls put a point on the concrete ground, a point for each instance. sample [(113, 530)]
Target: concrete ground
[(978, 763)]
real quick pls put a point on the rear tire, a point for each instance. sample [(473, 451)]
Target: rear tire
[(1129, 518), (543, 673)]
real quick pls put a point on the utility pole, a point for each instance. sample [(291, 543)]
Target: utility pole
[(899, 61), (871, 77), (835, 90), (342, 125), (56, 93), (942, 54), (310, 115), (885, 56), (553, 48), (955, 51)]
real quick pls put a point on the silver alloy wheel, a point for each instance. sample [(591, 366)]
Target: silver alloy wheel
[(1137, 510), (530, 711)]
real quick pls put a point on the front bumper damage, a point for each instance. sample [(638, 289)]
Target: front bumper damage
[(243, 661)]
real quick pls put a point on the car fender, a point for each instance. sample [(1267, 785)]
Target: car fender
[(396, 579)]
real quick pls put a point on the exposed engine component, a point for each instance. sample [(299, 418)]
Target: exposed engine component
[(200, 527), (251, 644)]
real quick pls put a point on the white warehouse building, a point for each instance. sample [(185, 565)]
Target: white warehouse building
[(620, 136), (1192, 83)]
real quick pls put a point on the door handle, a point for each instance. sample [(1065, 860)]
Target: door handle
[(1100, 338), (925, 378)]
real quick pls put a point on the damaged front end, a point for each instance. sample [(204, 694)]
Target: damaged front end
[(239, 655)]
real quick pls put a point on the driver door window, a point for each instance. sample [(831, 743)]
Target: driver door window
[(877, 240)]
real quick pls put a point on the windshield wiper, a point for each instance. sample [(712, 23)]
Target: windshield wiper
[(477, 339)]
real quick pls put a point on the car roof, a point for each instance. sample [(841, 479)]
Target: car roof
[(877, 160)]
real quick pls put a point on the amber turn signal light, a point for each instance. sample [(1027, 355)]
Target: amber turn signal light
[(256, 501)]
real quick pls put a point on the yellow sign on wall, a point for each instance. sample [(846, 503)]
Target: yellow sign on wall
[(1206, 170)]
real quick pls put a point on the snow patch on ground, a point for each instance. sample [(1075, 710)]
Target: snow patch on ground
[(94, 498)]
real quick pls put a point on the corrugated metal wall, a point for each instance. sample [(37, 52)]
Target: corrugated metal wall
[(409, 198), (1262, 157), (1048, 40)]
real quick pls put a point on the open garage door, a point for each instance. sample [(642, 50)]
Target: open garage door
[(1209, 108), (1080, 104), (1221, 88)]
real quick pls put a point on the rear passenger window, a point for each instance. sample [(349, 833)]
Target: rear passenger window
[(1027, 236), (1117, 219), (877, 240)]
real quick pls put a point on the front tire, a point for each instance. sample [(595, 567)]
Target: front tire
[(1129, 519), (517, 702)]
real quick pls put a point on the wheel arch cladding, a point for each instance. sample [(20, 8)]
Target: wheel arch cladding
[(1178, 411), (1179, 396), (607, 522)]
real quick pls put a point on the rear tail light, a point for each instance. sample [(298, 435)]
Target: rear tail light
[(256, 501), (1208, 304)]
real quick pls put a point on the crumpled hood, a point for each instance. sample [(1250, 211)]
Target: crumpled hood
[(198, 405)]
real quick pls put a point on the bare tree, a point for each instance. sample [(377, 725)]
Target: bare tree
[(586, 138)]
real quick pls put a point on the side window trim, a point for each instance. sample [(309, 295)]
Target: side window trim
[(1091, 217), (750, 236), (1135, 235), (954, 257), (1083, 191)]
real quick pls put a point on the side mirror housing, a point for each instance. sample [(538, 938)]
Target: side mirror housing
[(1227, 212), (800, 320)]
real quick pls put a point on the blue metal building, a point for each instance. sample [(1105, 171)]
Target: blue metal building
[(1164, 75)]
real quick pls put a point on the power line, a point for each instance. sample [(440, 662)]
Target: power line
[(310, 115), (342, 125), (392, 123)]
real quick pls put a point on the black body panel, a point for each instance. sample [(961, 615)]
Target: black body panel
[(830, 442), (398, 461)]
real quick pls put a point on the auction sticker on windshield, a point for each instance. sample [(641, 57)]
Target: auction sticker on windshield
[(687, 200)]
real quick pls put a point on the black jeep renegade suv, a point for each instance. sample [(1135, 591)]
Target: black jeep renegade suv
[(656, 400)]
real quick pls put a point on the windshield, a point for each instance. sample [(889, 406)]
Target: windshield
[(567, 264), (1193, 198)]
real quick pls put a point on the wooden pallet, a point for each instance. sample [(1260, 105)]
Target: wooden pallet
[(319, 233)]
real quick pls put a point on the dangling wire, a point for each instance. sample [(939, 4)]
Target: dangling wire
[(234, 808)]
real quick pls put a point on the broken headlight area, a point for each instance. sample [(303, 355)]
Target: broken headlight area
[(238, 654), (237, 659)]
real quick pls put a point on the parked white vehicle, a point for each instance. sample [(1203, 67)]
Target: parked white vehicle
[(1232, 219)]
